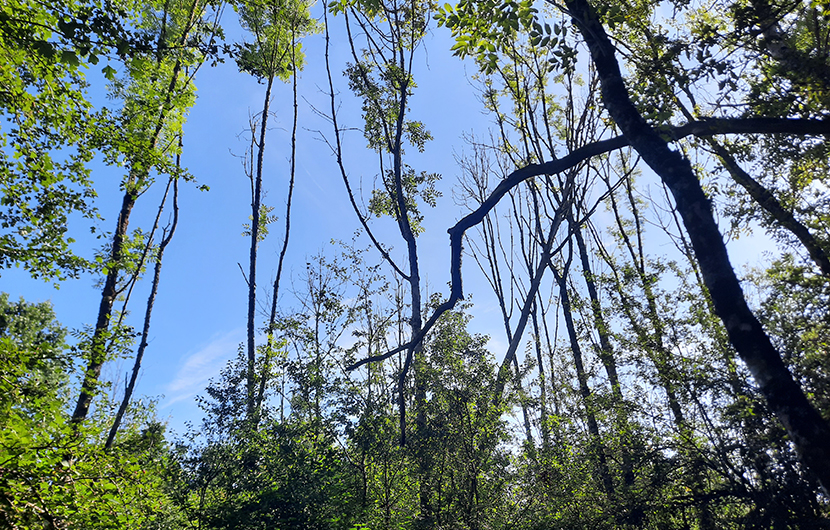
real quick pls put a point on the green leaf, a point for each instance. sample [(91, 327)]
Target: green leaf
[(69, 57), (109, 72)]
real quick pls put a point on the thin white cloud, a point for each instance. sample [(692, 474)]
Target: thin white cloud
[(201, 365), (497, 347)]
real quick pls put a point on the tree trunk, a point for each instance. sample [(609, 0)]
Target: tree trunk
[(136, 180), (543, 385), (256, 205), (166, 238), (808, 431), (582, 379), (652, 341), (98, 350), (606, 352)]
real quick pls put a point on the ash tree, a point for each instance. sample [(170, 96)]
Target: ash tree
[(659, 92)]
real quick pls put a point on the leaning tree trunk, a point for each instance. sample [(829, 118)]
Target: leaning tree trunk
[(167, 236), (98, 349), (136, 180), (808, 431)]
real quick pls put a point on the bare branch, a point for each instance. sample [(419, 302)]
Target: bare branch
[(702, 128)]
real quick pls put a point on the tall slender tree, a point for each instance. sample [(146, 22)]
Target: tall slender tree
[(275, 53), (157, 90), (382, 77)]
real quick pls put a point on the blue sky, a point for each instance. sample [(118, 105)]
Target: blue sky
[(200, 313)]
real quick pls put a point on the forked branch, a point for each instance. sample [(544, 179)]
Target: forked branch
[(698, 128)]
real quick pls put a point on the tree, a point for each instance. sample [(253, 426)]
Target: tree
[(166, 238), (35, 363), (467, 463), (276, 473), (381, 76), (276, 53), (51, 475), (52, 131), (471, 22), (805, 426), (157, 91)]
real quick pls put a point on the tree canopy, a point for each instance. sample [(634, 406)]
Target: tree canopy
[(630, 375)]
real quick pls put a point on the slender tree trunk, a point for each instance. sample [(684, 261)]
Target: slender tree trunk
[(517, 378), (543, 385), (256, 204), (582, 379), (166, 238), (554, 395), (415, 355), (536, 280), (137, 179), (98, 350), (490, 237), (606, 351), (275, 291)]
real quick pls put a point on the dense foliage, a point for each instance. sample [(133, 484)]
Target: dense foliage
[(635, 388)]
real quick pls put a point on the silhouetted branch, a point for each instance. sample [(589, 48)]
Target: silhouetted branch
[(701, 128)]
